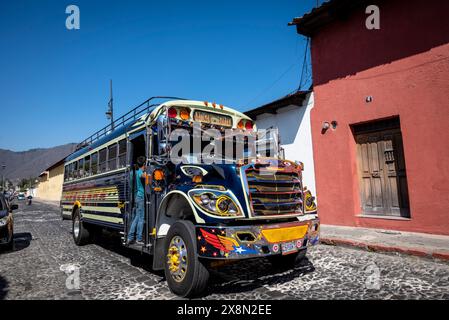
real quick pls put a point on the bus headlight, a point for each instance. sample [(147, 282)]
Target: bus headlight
[(216, 203)]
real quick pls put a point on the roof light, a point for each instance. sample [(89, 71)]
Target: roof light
[(240, 125), (249, 125), (172, 112), (206, 103), (184, 114)]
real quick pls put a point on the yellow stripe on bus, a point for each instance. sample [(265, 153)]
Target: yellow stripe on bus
[(103, 218), (102, 209)]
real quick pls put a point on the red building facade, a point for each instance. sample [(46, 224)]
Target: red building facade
[(380, 125)]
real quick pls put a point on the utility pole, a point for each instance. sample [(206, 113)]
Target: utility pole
[(110, 112)]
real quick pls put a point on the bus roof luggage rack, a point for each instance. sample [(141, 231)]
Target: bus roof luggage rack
[(128, 117)]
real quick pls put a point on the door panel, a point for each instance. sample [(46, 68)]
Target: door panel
[(375, 173), (383, 181), (371, 175)]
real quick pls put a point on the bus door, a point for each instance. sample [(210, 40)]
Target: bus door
[(137, 148), (158, 152), (150, 197)]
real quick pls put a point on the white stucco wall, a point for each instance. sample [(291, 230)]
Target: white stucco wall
[(293, 123)]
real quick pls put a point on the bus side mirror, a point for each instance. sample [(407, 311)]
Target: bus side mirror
[(163, 148), (162, 135)]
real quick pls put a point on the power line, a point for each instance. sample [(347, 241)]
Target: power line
[(307, 75), (304, 64), (273, 84)]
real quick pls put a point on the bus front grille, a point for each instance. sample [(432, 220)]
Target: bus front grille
[(274, 192)]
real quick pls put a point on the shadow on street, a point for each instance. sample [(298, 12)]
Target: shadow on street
[(248, 275), (241, 276), (22, 240)]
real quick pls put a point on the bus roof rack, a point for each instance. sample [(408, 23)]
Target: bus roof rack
[(128, 117)]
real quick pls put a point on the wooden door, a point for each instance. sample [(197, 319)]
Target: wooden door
[(382, 175)]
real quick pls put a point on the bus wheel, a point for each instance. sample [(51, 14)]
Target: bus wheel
[(185, 273), (80, 234), (288, 261)]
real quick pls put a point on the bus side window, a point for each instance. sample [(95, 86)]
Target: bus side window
[(112, 156), (80, 168), (87, 166), (102, 161), (69, 174), (122, 153), (75, 170), (72, 171), (94, 163)]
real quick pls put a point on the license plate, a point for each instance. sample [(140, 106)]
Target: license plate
[(288, 247), (212, 118)]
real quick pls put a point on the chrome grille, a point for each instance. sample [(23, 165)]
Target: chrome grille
[(274, 192)]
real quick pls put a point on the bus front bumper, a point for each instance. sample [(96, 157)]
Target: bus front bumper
[(241, 242)]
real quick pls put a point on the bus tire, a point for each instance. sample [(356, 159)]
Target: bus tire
[(186, 275), (288, 261), (80, 233)]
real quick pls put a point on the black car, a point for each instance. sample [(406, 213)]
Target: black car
[(6, 223)]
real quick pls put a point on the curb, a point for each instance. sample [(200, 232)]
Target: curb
[(418, 252)]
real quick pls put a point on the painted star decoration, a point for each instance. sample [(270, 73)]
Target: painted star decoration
[(239, 250)]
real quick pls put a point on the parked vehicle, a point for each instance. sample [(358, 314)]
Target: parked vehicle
[(196, 213), (6, 223), (21, 196)]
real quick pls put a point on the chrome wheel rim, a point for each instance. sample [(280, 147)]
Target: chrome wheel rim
[(177, 259), (76, 227)]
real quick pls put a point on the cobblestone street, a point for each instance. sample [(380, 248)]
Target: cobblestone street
[(45, 251)]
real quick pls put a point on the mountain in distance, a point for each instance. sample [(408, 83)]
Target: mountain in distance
[(31, 163)]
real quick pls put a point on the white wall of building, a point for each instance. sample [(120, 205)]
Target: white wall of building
[(295, 132)]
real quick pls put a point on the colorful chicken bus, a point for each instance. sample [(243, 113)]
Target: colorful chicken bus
[(197, 213)]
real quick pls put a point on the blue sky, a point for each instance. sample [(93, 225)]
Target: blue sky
[(54, 82)]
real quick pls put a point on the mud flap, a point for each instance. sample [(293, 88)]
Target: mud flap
[(159, 254)]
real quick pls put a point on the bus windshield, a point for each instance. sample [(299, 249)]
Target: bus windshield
[(227, 146)]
